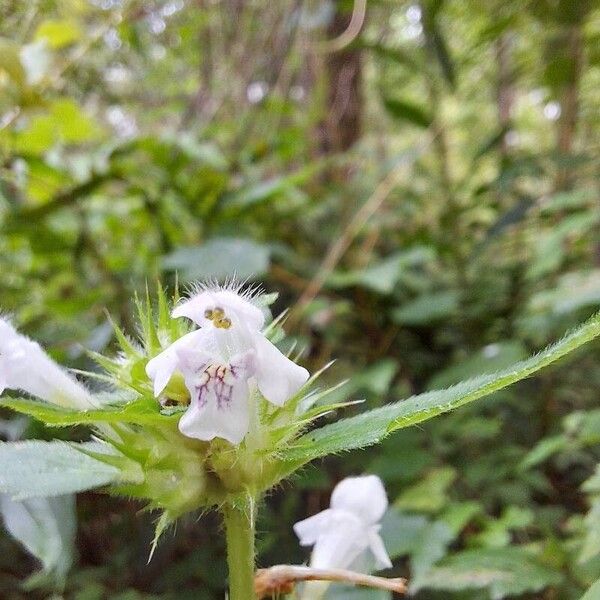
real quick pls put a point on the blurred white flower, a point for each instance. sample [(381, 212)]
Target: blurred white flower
[(256, 91), (222, 362), (552, 111), (36, 59), (25, 366), (341, 534)]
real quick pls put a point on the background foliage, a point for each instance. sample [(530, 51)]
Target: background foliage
[(419, 184)]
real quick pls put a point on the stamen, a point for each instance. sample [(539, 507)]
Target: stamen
[(224, 323), (217, 316)]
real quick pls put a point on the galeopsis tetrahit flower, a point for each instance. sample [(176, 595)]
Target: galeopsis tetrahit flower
[(222, 363), (25, 366), (349, 527)]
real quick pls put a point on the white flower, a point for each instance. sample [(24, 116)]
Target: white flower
[(222, 362), (343, 532), (25, 366)]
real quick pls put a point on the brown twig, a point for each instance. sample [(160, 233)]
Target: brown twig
[(357, 20), (281, 579)]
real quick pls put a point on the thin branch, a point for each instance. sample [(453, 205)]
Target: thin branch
[(282, 579), (357, 21)]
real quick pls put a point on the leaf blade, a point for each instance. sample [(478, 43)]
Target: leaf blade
[(36, 469), (138, 412), (371, 427)]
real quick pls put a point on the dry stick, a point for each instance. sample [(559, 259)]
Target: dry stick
[(282, 579), (366, 211)]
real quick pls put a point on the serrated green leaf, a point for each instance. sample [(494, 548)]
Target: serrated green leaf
[(143, 411), (502, 571), (36, 469), (371, 427)]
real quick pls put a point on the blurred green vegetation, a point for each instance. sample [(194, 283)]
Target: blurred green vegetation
[(421, 187)]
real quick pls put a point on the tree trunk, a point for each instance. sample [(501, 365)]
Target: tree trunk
[(342, 126)]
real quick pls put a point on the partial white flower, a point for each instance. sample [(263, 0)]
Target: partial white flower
[(349, 527), (161, 368), (222, 362), (25, 366)]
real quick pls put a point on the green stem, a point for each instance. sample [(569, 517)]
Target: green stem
[(239, 532)]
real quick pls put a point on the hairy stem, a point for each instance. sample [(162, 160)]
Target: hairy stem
[(239, 532)]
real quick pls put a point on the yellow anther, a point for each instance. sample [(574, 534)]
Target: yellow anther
[(224, 323), (217, 316)]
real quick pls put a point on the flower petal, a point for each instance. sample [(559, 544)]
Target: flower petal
[(162, 367), (25, 366), (278, 377), (308, 530), (364, 496), (340, 542), (382, 559), (235, 307), (219, 396)]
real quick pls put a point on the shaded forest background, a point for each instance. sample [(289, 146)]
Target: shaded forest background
[(419, 183)]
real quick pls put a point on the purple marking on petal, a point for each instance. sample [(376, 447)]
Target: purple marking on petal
[(216, 378)]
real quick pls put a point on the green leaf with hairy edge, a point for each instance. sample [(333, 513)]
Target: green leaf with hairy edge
[(144, 411), (593, 593), (371, 427), (502, 571), (36, 469)]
